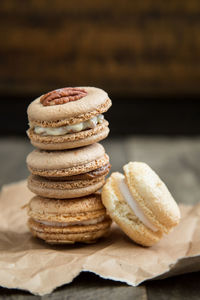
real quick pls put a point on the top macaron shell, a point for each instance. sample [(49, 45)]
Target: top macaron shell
[(152, 196), (95, 102)]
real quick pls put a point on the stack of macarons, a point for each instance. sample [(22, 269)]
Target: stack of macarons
[(68, 166)]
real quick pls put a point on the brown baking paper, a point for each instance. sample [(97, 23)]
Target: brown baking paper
[(30, 264)]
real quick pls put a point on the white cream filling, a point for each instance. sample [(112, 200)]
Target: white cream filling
[(134, 205), (65, 224), (70, 128)]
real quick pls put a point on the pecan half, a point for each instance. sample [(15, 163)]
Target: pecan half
[(62, 96)]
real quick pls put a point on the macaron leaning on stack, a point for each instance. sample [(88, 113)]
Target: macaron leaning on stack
[(140, 203), (69, 166)]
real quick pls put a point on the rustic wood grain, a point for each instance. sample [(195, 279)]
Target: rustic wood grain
[(146, 47)]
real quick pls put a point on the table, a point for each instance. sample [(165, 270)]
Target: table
[(176, 159)]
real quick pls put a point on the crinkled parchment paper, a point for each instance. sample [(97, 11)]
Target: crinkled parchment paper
[(30, 264)]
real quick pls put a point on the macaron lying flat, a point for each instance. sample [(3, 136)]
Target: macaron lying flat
[(68, 118), (140, 203), (66, 222), (68, 173)]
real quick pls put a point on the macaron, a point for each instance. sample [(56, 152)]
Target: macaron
[(68, 173), (66, 222), (68, 118), (140, 203)]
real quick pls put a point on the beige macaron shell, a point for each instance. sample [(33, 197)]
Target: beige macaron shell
[(71, 210), (64, 189), (122, 214), (70, 140), (152, 195), (64, 159), (94, 103)]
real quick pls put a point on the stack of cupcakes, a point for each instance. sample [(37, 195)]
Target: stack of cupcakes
[(69, 166)]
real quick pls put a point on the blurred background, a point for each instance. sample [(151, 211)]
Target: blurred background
[(145, 54)]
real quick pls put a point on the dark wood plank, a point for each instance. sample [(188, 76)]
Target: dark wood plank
[(134, 48), (141, 7)]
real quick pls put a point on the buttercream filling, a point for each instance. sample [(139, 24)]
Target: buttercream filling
[(134, 205), (65, 224), (89, 124)]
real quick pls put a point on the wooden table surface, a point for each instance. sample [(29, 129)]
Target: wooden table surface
[(177, 162)]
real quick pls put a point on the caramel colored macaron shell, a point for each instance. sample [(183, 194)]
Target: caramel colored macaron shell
[(153, 198), (64, 189), (71, 234), (69, 211)]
